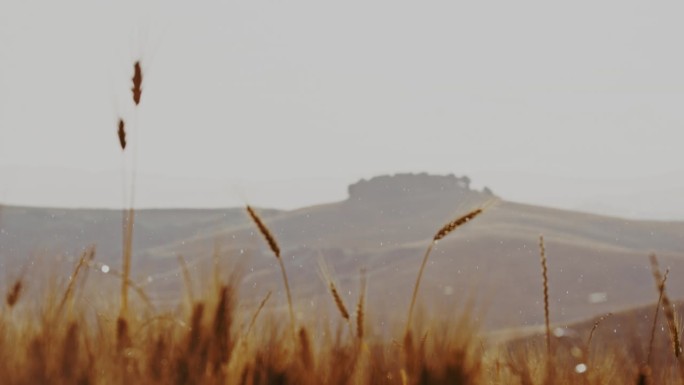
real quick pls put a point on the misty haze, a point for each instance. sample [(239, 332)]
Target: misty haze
[(355, 193)]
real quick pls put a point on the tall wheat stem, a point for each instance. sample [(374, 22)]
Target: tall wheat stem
[(545, 283), (441, 233), (273, 245)]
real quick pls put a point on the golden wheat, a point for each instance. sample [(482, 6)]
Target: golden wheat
[(595, 326), (668, 307), (441, 233), (85, 258), (270, 239), (257, 312)]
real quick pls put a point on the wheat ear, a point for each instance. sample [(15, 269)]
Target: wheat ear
[(270, 239), (443, 232), (545, 283)]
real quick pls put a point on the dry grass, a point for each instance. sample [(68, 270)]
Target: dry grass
[(213, 342)]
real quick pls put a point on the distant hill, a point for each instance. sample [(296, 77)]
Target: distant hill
[(597, 264)]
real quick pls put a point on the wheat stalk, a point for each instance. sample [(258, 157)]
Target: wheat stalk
[(270, 239), (441, 233), (187, 279), (129, 219), (216, 253), (85, 258), (668, 307), (339, 302), (545, 283), (256, 313), (596, 325), (661, 287)]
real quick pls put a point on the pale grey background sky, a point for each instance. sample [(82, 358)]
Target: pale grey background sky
[(283, 103)]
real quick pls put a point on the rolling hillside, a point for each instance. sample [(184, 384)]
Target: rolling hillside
[(597, 264)]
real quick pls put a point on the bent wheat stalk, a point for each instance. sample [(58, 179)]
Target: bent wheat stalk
[(85, 258), (273, 245), (256, 313), (661, 289), (668, 307), (443, 232), (596, 325)]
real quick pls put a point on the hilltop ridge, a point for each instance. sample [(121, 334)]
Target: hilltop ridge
[(407, 184)]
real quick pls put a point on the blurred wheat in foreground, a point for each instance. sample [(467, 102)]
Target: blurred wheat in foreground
[(67, 340)]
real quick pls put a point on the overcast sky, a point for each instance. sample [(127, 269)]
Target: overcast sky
[(283, 103)]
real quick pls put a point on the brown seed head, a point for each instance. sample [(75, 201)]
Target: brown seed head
[(122, 134), (15, 292), (338, 302), (137, 82), (270, 239), (453, 225)]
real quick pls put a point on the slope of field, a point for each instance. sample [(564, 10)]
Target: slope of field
[(596, 264)]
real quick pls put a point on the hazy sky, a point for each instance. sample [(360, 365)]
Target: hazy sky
[(283, 103)]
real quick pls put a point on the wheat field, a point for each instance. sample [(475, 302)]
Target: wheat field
[(208, 339)]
